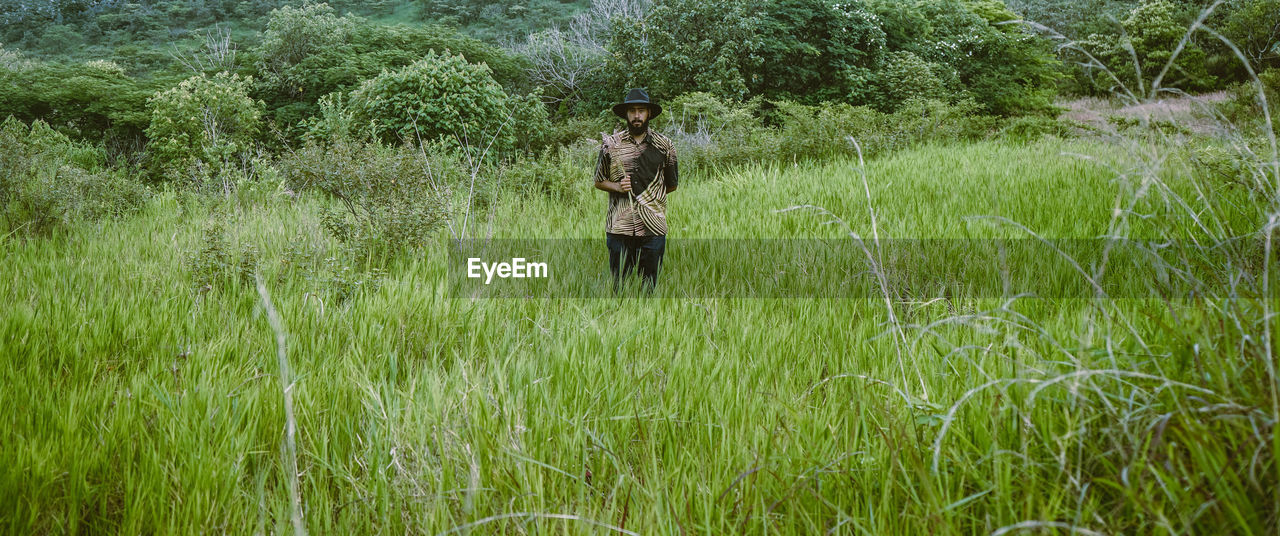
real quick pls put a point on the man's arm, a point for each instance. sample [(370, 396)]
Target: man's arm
[(617, 187)]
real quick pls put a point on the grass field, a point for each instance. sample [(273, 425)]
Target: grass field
[(140, 402)]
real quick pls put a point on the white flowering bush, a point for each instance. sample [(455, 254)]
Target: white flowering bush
[(202, 126)]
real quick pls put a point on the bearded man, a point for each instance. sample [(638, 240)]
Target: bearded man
[(637, 167)]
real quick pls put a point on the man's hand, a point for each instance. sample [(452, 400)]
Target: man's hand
[(621, 187), (618, 187)]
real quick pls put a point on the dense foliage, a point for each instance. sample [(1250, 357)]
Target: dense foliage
[(1152, 32), (816, 50), (971, 50), (199, 90), (1107, 29), (94, 100), (442, 97), (310, 52), (388, 202), (51, 181), (687, 45), (203, 126)]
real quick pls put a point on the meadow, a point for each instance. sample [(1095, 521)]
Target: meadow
[(143, 395)]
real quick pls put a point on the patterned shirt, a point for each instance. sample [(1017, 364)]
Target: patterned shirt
[(651, 164)]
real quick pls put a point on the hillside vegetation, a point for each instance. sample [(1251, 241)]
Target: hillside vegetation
[(939, 266)]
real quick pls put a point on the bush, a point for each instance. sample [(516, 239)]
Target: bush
[(202, 126), (561, 173), (530, 126), (309, 52), (573, 129), (295, 33), (50, 181), (390, 199), (825, 131), (1033, 127), (904, 76), (444, 98), (1244, 108), (710, 132), (215, 263)]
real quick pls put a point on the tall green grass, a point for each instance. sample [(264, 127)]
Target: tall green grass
[(139, 403)]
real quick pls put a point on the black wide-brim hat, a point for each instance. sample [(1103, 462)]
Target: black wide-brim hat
[(636, 96)]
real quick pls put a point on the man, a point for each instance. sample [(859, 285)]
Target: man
[(637, 167)]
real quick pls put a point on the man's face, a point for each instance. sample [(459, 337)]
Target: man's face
[(637, 118)]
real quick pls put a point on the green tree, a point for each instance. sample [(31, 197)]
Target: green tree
[(51, 181), (93, 100), (292, 35), (686, 45), (1254, 26), (816, 50), (1005, 68), (357, 51), (903, 76), (1151, 32)]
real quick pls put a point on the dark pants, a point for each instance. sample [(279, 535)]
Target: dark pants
[(628, 252)]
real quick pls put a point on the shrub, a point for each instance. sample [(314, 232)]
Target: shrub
[(444, 98), (202, 126), (530, 126), (50, 181), (709, 131), (1244, 108), (293, 34), (309, 52), (215, 263), (1005, 69), (1034, 127), (571, 130), (1225, 164), (904, 76), (389, 199), (825, 131), (561, 173), (335, 121)]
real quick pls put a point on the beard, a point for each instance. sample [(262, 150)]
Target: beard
[(637, 128)]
